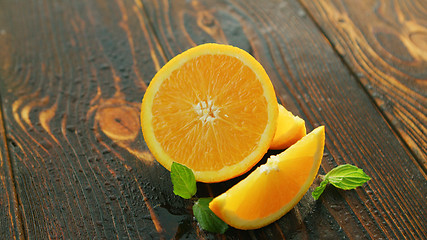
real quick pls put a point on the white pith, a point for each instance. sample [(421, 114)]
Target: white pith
[(206, 111)]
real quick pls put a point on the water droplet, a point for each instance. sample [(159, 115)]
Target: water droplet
[(104, 66), (336, 207), (301, 13)]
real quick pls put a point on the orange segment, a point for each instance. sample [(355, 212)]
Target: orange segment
[(274, 188), (289, 130), (211, 108)]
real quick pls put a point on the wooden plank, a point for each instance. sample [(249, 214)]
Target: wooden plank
[(73, 74), (10, 222), (313, 82), (385, 45)]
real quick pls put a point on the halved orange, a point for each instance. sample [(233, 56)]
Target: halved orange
[(211, 108), (289, 129), (274, 188)]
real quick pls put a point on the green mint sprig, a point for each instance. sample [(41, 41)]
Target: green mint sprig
[(184, 185), (344, 177)]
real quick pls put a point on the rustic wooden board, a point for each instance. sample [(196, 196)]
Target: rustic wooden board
[(385, 45), (73, 74), (313, 82), (72, 80)]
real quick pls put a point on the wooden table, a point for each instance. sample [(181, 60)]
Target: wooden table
[(74, 164)]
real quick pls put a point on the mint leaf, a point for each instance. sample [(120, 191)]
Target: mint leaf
[(347, 177), (319, 190), (183, 180), (206, 218), (344, 177)]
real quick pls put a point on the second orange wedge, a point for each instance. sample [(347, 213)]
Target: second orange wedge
[(274, 188), (289, 129)]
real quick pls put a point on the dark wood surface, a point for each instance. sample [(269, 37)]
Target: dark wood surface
[(10, 220), (385, 45), (72, 74)]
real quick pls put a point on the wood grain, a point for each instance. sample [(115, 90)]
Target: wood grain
[(385, 45), (10, 222), (10, 219), (311, 80)]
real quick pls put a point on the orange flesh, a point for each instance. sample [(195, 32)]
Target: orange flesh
[(202, 127), (293, 172)]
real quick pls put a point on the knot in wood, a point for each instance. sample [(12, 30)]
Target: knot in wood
[(206, 19), (119, 122)]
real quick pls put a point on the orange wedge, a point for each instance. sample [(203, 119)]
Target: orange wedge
[(211, 108), (274, 188), (289, 130)]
